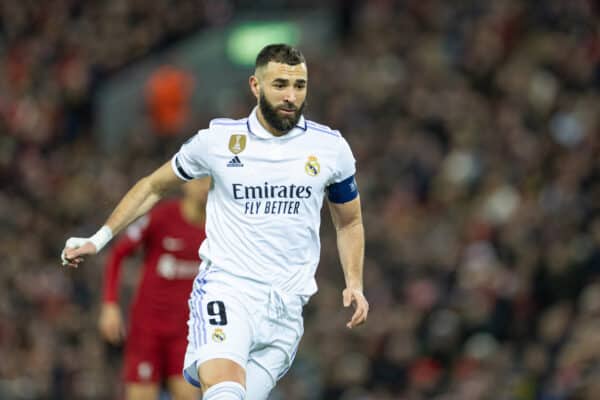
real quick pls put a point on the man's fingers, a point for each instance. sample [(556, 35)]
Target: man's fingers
[(111, 324), (72, 263), (71, 253), (72, 256), (357, 317), (114, 335), (360, 314), (361, 306), (111, 334), (74, 248)]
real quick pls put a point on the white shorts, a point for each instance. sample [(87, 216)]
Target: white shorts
[(241, 320)]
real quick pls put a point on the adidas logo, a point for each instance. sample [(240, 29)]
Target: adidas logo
[(235, 162)]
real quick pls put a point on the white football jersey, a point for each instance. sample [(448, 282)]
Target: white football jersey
[(263, 211)]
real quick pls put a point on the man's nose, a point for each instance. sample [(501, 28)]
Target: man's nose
[(290, 96)]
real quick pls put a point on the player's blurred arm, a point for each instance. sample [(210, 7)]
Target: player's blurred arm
[(138, 201), (347, 219), (110, 321)]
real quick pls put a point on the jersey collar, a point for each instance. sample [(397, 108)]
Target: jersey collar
[(256, 128)]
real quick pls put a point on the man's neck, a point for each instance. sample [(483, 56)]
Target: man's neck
[(266, 125)]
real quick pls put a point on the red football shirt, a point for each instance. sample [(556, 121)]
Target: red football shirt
[(171, 261)]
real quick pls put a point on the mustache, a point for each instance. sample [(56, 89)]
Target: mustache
[(287, 107)]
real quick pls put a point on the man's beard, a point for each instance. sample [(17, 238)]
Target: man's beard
[(280, 123)]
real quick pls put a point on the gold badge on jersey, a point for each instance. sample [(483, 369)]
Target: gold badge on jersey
[(237, 143), (312, 166), (218, 335)]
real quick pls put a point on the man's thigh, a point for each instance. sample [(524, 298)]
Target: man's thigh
[(219, 327), (259, 382), (280, 334)]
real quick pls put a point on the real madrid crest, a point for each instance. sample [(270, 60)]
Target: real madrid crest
[(312, 166), (237, 143), (218, 335)]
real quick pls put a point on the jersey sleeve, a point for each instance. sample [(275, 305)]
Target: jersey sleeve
[(342, 185), (345, 164), (190, 161), (126, 245)]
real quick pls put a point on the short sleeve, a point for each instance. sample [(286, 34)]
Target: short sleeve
[(345, 163), (190, 161)]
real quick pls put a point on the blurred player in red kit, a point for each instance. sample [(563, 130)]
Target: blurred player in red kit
[(157, 332)]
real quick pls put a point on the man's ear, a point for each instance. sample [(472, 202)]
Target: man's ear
[(254, 86)]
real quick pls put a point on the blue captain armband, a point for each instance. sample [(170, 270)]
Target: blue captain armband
[(342, 192)]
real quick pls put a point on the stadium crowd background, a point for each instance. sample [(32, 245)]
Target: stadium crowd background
[(476, 126)]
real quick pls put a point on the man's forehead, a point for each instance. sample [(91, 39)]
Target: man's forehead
[(275, 70)]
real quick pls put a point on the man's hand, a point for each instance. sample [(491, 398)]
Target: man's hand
[(111, 323), (361, 306), (75, 249)]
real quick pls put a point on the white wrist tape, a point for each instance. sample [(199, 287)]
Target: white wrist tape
[(100, 238)]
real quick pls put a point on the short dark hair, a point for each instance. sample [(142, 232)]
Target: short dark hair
[(280, 53)]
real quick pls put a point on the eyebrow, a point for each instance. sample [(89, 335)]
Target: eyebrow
[(284, 81)]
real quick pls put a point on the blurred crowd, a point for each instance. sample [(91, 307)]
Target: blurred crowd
[(476, 127)]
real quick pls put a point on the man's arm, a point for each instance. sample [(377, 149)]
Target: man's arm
[(142, 197), (110, 321), (347, 220), (138, 201)]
